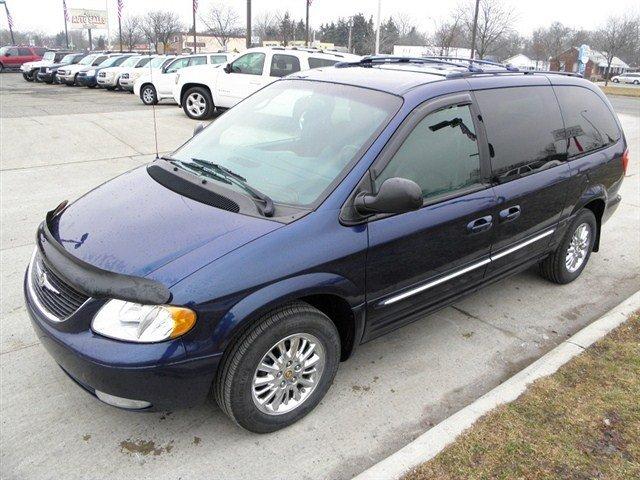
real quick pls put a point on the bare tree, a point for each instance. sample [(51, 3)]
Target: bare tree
[(265, 25), (404, 22), (132, 32), (160, 26), (556, 39), (495, 22), (448, 34), (615, 36), (223, 23)]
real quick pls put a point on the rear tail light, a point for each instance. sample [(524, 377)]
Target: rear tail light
[(625, 160)]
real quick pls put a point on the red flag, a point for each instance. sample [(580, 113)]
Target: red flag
[(120, 7)]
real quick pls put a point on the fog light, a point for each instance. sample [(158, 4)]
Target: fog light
[(122, 402)]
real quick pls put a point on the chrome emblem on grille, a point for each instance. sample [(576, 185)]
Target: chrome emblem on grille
[(43, 280)]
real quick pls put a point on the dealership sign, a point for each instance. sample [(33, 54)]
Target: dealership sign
[(81, 18)]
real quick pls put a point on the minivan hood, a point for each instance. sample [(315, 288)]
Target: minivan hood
[(133, 225)]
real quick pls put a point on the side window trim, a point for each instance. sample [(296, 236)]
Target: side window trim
[(417, 115)]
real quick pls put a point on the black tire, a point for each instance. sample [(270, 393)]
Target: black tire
[(27, 77), (111, 89), (233, 388), (554, 268), (148, 94), (615, 80), (205, 96), (1, 68), (636, 82)]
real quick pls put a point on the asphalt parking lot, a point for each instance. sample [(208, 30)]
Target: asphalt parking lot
[(57, 142)]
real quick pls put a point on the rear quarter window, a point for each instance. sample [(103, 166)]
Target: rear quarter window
[(524, 130), (589, 123), (25, 52)]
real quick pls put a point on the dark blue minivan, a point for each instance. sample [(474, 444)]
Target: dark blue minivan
[(325, 210)]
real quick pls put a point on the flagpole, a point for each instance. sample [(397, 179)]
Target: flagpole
[(306, 42), (9, 22), (120, 7), (66, 31)]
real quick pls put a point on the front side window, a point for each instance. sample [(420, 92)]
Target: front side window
[(99, 60), (321, 62), (143, 61), (177, 65), (250, 64), (589, 123), (198, 61), (524, 129), (59, 56), (130, 62), (283, 65), (440, 154), (49, 56), (24, 52), (292, 139)]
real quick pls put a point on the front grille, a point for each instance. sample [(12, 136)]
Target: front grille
[(62, 73), (102, 74), (125, 75), (53, 293), (43, 69)]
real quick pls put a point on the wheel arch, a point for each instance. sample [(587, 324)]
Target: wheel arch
[(185, 88), (334, 295), (594, 199)]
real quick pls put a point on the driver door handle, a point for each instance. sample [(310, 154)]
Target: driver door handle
[(481, 224)]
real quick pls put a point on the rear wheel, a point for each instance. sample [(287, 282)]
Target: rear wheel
[(571, 257), (280, 369), (198, 104), (148, 94)]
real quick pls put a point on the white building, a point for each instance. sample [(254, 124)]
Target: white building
[(522, 62), (430, 51)]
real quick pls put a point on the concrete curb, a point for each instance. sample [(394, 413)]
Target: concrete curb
[(433, 441)]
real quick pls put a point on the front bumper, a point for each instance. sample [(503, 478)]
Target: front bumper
[(107, 81), (157, 373), (87, 81), (127, 83), (46, 77)]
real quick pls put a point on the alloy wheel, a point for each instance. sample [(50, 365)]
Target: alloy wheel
[(196, 104), (288, 374), (578, 247), (147, 95)]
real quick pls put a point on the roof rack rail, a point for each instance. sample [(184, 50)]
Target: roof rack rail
[(373, 59), (471, 61)]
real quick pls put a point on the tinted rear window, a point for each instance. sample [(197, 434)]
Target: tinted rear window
[(524, 130), (589, 122), (321, 62)]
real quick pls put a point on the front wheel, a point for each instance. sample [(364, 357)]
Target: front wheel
[(27, 76), (636, 82), (148, 95), (571, 257), (198, 104), (615, 80), (280, 369)]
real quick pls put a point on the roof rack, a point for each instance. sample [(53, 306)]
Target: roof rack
[(462, 63)]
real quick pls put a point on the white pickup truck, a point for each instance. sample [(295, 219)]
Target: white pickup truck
[(202, 91), (158, 83)]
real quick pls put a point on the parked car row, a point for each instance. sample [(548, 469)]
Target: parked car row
[(200, 83), (16, 56)]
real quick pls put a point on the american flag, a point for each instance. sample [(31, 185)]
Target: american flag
[(120, 7), (66, 12), (195, 5)]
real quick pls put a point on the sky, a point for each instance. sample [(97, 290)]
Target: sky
[(47, 16)]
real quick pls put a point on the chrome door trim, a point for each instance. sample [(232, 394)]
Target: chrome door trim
[(467, 269)]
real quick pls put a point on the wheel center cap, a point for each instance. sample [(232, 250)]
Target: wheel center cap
[(288, 374)]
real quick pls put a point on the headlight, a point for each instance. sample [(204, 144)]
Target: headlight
[(135, 322), (91, 73)]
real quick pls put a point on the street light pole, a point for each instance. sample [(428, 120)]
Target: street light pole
[(306, 42), (475, 27), (248, 23), (378, 28)]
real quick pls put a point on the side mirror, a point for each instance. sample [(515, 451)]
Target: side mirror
[(198, 128), (396, 195), (228, 68)]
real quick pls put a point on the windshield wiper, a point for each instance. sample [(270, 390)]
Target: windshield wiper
[(239, 180), (199, 169)]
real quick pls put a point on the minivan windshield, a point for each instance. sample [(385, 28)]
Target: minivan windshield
[(292, 139)]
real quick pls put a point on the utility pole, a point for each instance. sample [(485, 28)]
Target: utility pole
[(193, 11), (306, 41), (378, 28), (66, 19), (90, 42), (248, 23), (475, 27), (350, 35)]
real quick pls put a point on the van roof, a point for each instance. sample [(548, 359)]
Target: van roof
[(397, 75)]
